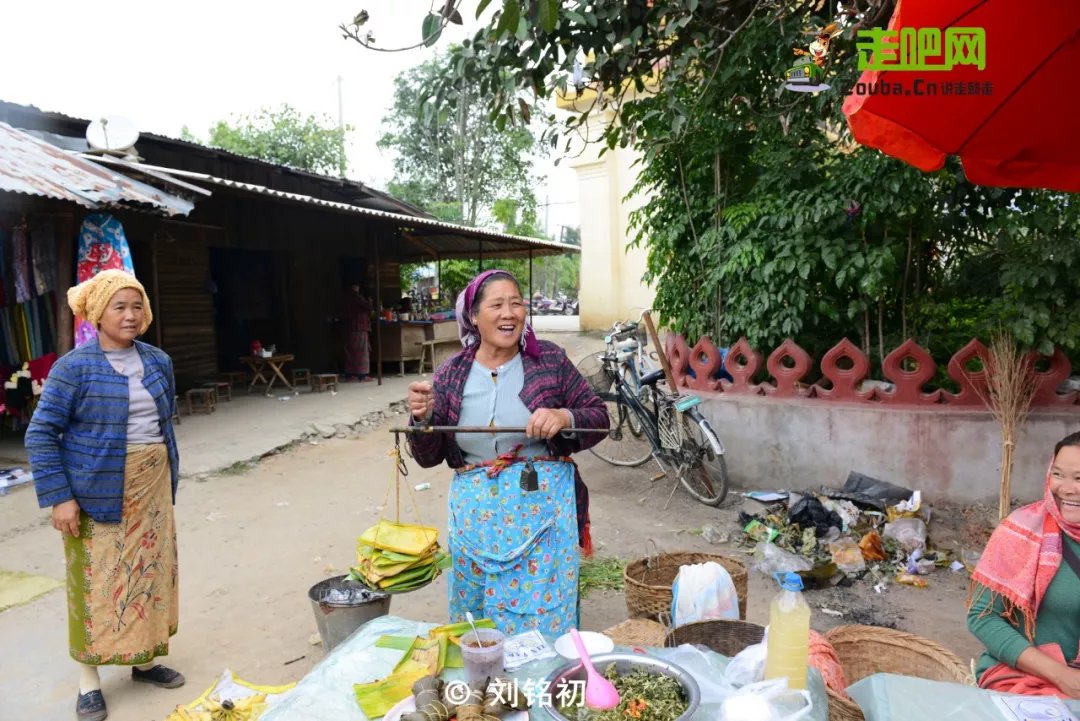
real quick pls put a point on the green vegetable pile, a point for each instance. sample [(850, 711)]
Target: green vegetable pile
[(643, 696)]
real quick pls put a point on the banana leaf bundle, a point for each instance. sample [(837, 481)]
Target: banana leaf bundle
[(396, 557)]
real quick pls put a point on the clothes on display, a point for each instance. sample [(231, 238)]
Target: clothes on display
[(102, 246), (27, 312)]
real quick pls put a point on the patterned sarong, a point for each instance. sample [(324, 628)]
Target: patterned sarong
[(123, 603)]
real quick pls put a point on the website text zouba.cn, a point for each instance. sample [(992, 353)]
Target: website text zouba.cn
[(923, 88)]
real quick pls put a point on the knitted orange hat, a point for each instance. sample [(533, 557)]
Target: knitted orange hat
[(90, 298)]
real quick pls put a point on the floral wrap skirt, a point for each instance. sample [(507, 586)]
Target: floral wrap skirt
[(515, 552)]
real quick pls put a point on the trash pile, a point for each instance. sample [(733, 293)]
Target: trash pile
[(396, 557), (834, 536)]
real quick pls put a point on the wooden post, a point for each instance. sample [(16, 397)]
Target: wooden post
[(65, 277), (661, 354), (530, 285), (158, 320), (378, 314), (480, 257)]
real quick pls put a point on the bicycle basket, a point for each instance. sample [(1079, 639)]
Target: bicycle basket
[(669, 421), (595, 373)]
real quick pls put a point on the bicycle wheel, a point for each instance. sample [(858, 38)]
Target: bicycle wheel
[(620, 446), (702, 472), (645, 395)]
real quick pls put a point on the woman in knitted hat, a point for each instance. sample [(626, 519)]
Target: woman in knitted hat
[(103, 452)]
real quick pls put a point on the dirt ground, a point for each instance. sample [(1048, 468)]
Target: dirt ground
[(252, 542)]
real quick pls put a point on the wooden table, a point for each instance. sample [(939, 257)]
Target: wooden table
[(259, 366)]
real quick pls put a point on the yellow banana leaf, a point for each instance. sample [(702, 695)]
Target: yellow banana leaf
[(378, 697), (375, 572), (405, 538), (425, 654)]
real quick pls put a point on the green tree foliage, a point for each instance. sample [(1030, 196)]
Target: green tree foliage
[(762, 218), (455, 156), (282, 136)]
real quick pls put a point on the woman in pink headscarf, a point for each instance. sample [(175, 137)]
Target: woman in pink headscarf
[(1025, 600), (517, 509)]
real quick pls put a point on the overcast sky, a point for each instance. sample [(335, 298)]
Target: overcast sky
[(167, 65)]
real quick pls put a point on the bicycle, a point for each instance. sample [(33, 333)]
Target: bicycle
[(647, 422)]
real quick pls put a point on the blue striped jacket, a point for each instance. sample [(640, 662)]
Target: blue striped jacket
[(77, 438)]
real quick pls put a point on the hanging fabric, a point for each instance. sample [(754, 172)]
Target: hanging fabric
[(43, 254), (21, 258), (5, 241), (102, 245)]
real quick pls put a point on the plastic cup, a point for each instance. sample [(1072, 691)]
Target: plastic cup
[(483, 657)]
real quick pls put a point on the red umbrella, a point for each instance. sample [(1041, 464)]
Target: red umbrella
[(1015, 122)]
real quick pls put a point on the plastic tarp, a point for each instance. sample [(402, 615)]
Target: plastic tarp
[(326, 692), (888, 697)]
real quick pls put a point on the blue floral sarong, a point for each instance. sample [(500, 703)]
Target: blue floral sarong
[(515, 552)]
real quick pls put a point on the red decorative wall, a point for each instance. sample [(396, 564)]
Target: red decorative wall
[(844, 368)]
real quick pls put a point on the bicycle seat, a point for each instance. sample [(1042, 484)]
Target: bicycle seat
[(650, 378)]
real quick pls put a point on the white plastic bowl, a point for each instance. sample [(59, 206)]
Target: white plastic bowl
[(595, 644)]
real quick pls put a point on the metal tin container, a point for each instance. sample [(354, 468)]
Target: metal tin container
[(624, 663)]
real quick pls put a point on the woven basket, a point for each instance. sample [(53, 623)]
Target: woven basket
[(727, 638), (637, 632), (866, 650), (648, 582)]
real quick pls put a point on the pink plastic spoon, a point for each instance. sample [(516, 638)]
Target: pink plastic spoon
[(600, 694)]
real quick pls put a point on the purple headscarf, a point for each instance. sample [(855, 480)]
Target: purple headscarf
[(467, 330)]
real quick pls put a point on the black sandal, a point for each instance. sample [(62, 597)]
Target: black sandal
[(90, 706), (160, 676)]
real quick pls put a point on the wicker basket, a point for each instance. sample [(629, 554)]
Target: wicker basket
[(637, 632), (648, 582), (727, 638), (866, 650)]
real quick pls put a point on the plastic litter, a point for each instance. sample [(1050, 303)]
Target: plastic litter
[(770, 558), (908, 532), (871, 547), (809, 512), (847, 556)]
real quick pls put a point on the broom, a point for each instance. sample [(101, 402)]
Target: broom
[(1010, 387)]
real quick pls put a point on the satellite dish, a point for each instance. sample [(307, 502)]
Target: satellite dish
[(112, 133)]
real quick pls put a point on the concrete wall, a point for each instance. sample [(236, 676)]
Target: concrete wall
[(611, 285), (948, 454)]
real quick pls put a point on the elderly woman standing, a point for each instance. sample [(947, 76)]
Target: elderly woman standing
[(517, 509), (104, 457)]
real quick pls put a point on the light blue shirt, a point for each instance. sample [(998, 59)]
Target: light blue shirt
[(492, 398)]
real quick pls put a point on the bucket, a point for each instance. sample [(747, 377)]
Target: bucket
[(341, 606)]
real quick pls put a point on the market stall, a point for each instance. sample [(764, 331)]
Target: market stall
[(327, 692)]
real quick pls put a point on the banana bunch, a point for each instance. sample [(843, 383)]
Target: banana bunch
[(212, 709)]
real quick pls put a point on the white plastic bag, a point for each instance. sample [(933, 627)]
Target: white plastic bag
[(767, 701), (771, 559), (713, 686), (748, 666), (703, 592)]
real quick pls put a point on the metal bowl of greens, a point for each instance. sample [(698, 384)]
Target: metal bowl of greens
[(669, 691)]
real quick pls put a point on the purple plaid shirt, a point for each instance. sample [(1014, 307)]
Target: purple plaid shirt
[(551, 381)]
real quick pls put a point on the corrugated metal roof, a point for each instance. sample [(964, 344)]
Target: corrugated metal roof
[(433, 237), (34, 167)]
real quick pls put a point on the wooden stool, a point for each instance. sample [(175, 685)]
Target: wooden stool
[(301, 375), (176, 409), (220, 388), (201, 399), (324, 381), (427, 355), (233, 377)]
